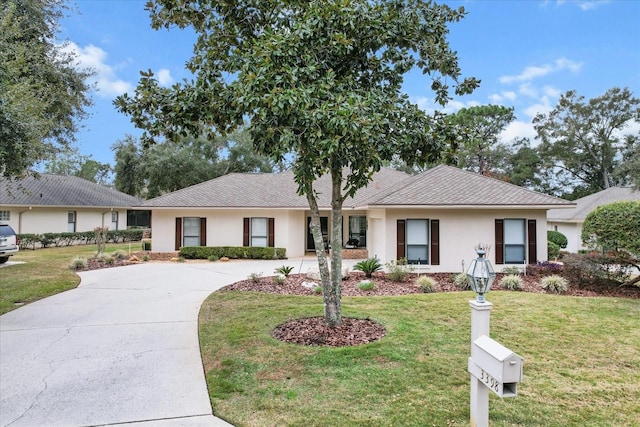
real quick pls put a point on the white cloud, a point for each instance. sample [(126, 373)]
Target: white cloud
[(585, 4), (105, 79), (528, 90), (429, 105), (536, 71), (542, 107), (551, 91), (518, 129), (498, 98), (164, 77)]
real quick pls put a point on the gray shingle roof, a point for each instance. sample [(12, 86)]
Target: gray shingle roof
[(592, 201), (450, 186), (278, 190), (60, 190), (440, 186)]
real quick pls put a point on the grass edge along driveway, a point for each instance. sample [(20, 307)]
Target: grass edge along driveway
[(581, 361), (45, 272)]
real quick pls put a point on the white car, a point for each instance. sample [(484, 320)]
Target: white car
[(8, 242)]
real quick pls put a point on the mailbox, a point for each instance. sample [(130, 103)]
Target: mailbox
[(495, 365)]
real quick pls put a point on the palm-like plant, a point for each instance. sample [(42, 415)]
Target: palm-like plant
[(368, 266)]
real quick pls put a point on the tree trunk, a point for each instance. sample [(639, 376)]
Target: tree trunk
[(332, 302)]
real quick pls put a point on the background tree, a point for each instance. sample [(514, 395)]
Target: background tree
[(319, 79), (71, 162), (615, 227), (628, 171), (43, 95), (165, 167), (128, 167), (479, 128), (582, 142)]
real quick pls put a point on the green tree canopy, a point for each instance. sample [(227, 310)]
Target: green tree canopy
[(583, 142), (615, 227), (43, 95), (319, 79), (71, 162), (479, 128), (165, 167)]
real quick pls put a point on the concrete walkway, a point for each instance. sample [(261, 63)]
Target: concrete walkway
[(122, 348)]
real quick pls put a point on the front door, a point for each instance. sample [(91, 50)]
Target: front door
[(324, 226)]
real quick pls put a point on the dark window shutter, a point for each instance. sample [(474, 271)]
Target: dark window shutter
[(178, 233), (499, 241), (271, 238), (203, 231), (435, 242), (532, 241), (245, 232), (400, 239)]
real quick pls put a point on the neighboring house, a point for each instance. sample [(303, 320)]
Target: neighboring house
[(58, 203), (434, 218), (569, 221)]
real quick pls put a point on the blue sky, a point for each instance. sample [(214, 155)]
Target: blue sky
[(526, 52)]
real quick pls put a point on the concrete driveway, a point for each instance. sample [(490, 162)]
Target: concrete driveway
[(122, 348)]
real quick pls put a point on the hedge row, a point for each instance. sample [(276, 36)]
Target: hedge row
[(233, 252), (29, 241)]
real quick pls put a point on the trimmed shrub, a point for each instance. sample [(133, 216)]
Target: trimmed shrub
[(368, 266), (594, 269), (553, 250), (232, 252), (426, 284), (398, 270), (462, 281), (366, 285), (554, 283), (78, 263), (558, 238), (511, 282), (544, 268), (512, 270), (28, 241)]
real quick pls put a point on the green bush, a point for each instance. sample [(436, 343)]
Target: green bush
[(255, 277), (554, 283), (78, 263), (212, 258), (595, 269), (426, 284), (511, 282), (28, 241), (512, 270), (285, 270), (553, 250), (398, 270), (368, 266), (232, 252), (279, 279), (366, 285), (558, 238), (461, 280)]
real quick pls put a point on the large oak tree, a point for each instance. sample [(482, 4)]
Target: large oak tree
[(319, 80), (584, 141), (43, 95)]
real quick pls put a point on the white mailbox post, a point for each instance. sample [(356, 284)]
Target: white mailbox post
[(492, 366)]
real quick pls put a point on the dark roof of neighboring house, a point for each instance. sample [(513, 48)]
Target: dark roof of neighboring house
[(449, 186), (592, 201), (267, 190), (61, 190), (440, 186)]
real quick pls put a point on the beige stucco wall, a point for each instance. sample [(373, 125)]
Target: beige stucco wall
[(38, 220), (460, 231)]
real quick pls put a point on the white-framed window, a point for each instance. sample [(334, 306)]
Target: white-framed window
[(515, 241), (417, 238), (357, 231), (5, 215), (114, 220), (190, 231), (259, 232), (71, 221)]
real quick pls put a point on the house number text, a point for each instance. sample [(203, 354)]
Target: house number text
[(491, 382)]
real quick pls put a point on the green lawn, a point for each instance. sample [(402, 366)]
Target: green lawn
[(44, 273), (581, 362)]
